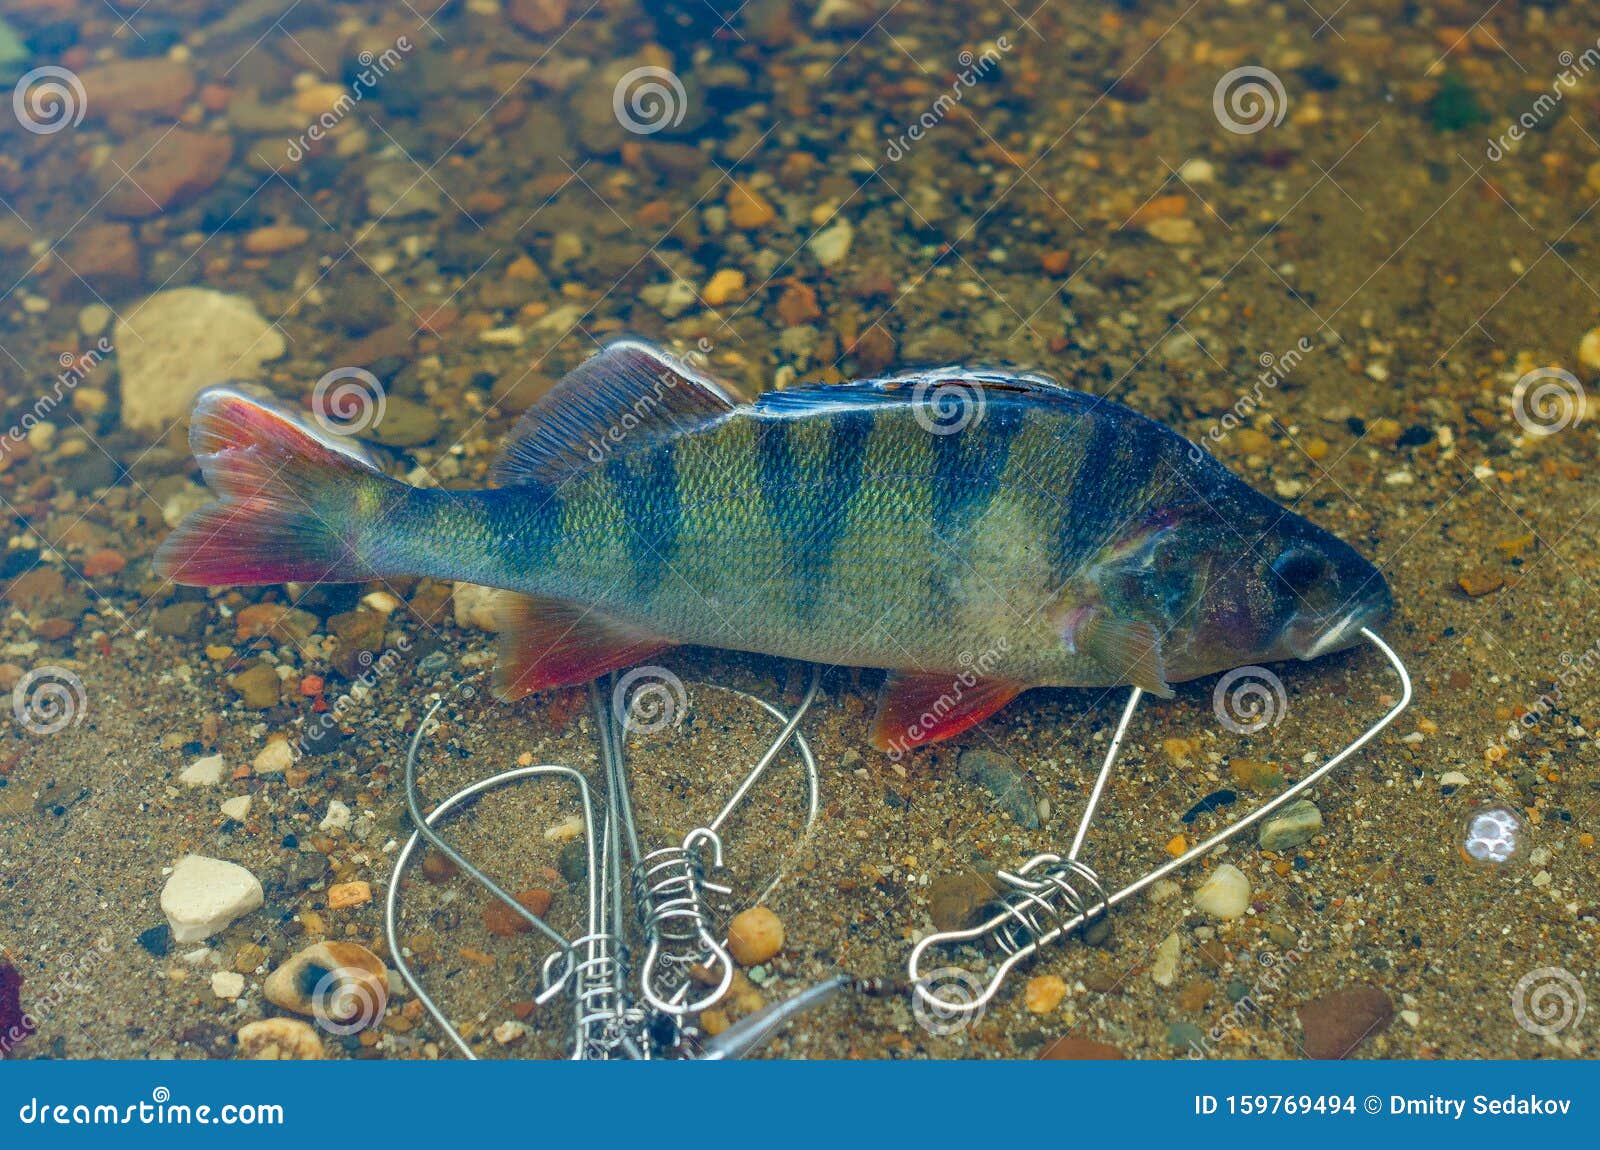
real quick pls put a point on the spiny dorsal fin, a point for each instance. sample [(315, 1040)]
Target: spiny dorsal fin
[(630, 394)]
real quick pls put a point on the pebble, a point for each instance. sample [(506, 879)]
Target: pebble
[(1164, 970), (723, 287), (272, 240), (1225, 894), (1044, 993), (203, 895), (399, 190), (1072, 1049), (176, 343), (337, 818), (504, 922), (748, 208), (1450, 780), (1294, 824), (1589, 349), (342, 896), (1198, 171), (279, 1039), (159, 170), (1335, 1024), (342, 982), (1003, 779), (831, 245), (405, 423), (206, 772), (276, 757), (956, 901), (1255, 775), (150, 86), (237, 808), (510, 1032), (755, 935), (227, 984), (157, 940)]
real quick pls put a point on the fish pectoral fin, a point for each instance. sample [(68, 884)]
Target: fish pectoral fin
[(547, 643), (1131, 650), (917, 709)]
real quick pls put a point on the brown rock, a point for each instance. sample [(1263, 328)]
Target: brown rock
[(541, 17), (1479, 581), (279, 1039), (33, 589), (103, 562), (874, 350), (504, 922), (98, 260), (153, 86), (52, 629), (748, 208), (160, 170), (798, 305), (284, 623), (754, 935), (1337, 1023), (344, 895), (1081, 1050), (339, 982), (957, 901), (272, 240), (258, 686)]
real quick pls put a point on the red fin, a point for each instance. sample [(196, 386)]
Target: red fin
[(547, 643), (915, 710), (288, 494)]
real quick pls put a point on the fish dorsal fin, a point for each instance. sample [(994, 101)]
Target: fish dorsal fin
[(630, 394), (930, 385), (917, 709)]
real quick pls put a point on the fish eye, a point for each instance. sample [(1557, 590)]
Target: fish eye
[(1298, 570)]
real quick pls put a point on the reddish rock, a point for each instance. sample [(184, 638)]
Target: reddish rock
[(155, 86), (98, 260), (51, 630), (105, 562), (1072, 1049), (1337, 1023), (541, 17), (163, 169), (506, 923), (35, 588), (798, 305)]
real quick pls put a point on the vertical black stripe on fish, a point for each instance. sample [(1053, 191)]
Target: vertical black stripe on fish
[(645, 483), (848, 435), (1097, 502), (968, 467)]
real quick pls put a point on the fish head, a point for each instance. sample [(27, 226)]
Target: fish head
[(1284, 589)]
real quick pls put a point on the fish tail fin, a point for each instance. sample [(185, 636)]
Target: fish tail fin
[(291, 500)]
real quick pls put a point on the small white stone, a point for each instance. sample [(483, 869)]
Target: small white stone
[(1225, 894), (274, 758), (1453, 779), (203, 895), (237, 808), (1198, 171), (1164, 891), (1411, 1018), (382, 602), (206, 772), (337, 818), (227, 984), (1164, 970), (831, 246), (511, 1031)]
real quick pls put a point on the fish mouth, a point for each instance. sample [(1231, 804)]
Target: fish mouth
[(1315, 638)]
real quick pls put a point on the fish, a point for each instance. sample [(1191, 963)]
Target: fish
[(973, 532)]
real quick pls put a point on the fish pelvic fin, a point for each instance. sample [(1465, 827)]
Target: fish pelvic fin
[(917, 709), (291, 498), (549, 643)]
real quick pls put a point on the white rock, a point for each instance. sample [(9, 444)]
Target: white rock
[(1164, 891), (227, 984), (510, 1031), (237, 809), (1225, 894), (206, 772), (174, 344), (274, 758), (1198, 171), (203, 895), (832, 244), (1453, 779), (475, 606), (337, 818), (1164, 970)]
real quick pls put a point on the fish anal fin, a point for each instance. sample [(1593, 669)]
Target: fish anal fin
[(917, 709), (1130, 650), (630, 394), (547, 643)]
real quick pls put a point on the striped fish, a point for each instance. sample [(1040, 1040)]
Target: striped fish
[(973, 532)]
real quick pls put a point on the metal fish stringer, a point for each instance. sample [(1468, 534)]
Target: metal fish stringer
[(1052, 896)]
